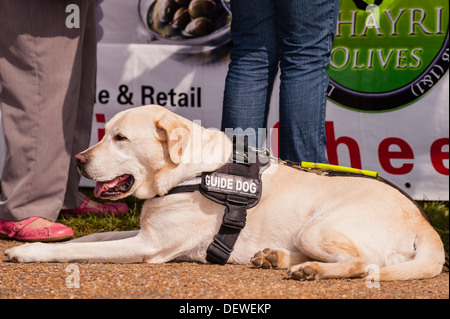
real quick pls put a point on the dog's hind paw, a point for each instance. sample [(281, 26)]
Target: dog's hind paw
[(305, 271), (266, 258)]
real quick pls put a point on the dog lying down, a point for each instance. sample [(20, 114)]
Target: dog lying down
[(314, 225)]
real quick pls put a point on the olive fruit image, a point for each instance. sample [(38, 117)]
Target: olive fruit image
[(198, 27), (167, 10), (185, 19), (203, 8), (181, 18)]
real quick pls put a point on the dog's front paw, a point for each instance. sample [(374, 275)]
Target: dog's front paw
[(266, 258), (305, 271), (24, 253)]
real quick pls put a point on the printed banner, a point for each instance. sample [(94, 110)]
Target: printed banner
[(388, 102), (389, 92)]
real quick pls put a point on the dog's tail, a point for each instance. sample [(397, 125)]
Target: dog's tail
[(427, 262)]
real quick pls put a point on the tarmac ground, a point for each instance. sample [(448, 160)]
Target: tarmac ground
[(186, 280)]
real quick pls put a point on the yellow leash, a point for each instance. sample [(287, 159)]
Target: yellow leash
[(339, 169)]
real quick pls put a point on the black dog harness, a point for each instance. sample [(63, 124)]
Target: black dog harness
[(236, 185)]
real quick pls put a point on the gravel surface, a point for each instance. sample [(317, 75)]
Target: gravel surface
[(192, 281)]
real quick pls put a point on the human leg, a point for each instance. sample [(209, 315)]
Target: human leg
[(81, 128), (37, 86), (253, 67), (306, 30), (78, 135)]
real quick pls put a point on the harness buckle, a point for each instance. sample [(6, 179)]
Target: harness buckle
[(218, 252), (235, 214)]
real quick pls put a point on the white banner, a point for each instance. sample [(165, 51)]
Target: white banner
[(407, 145)]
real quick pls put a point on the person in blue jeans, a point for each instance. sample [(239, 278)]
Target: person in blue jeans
[(295, 36)]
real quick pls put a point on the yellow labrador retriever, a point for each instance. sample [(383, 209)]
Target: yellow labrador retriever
[(316, 226)]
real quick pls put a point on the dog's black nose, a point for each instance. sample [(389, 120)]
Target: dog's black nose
[(81, 159)]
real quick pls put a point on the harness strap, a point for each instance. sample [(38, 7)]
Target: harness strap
[(184, 189), (234, 217), (245, 164), (233, 222)]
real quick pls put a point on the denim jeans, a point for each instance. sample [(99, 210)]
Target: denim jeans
[(295, 36)]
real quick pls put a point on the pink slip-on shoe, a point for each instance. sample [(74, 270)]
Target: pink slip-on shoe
[(96, 209), (17, 231)]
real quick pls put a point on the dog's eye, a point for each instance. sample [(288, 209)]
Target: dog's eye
[(119, 137)]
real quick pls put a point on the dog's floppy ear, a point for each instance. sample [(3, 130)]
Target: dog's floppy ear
[(176, 135)]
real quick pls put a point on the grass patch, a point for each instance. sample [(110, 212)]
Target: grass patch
[(85, 225), (89, 224), (437, 213)]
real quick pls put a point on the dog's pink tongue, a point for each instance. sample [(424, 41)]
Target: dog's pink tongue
[(101, 186), (98, 190)]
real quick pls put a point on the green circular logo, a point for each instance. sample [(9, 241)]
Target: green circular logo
[(387, 54)]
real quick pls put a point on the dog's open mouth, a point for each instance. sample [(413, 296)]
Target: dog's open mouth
[(115, 187)]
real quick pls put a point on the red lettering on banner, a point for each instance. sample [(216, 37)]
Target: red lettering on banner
[(385, 155), (100, 118), (333, 143), (438, 156)]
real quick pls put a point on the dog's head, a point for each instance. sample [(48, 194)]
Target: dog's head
[(148, 150)]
